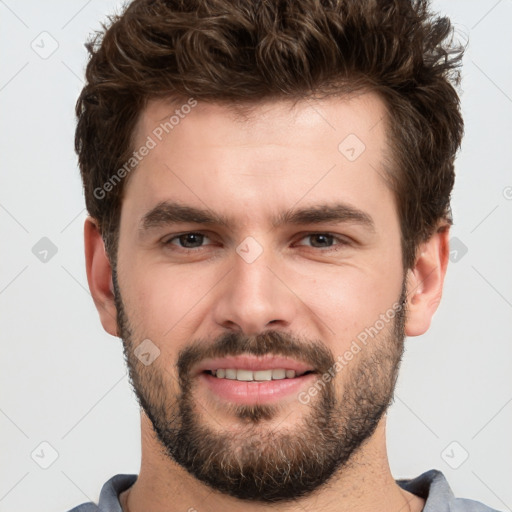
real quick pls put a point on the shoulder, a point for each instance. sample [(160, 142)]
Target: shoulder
[(85, 507), (433, 487), (109, 495)]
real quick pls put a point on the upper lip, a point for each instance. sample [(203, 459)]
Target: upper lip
[(254, 363)]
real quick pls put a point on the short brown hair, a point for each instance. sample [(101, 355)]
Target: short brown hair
[(246, 51)]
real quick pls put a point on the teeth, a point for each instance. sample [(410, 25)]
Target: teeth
[(264, 375), (249, 375), (243, 375), (279, 373), (230, 373)]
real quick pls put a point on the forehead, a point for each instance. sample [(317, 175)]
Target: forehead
[(310, 120), (260, 156)]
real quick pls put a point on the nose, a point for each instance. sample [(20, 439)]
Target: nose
[(255, 296)]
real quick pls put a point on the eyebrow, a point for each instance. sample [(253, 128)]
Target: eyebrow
[(167, 213)]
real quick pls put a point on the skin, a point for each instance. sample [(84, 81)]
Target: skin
[(281, 156)]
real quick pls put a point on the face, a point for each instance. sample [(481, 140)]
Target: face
[(264, 243)]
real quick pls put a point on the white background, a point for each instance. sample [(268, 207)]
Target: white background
[(63, 380)]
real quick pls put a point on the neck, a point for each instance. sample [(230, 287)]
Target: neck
[(365, 484)]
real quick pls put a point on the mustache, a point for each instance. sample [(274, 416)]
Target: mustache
[(312, 352)]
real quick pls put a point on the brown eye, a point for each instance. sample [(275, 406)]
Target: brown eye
[(187, 240), (321, 239), (324, 240)]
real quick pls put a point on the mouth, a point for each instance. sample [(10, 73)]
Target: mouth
[(249, 380), (247, 367), (243, 375)]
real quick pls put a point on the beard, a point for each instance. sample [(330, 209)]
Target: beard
[(260, 461)]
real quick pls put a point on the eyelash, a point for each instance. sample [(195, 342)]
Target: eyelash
[(341, 241)]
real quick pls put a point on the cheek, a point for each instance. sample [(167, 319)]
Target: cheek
[(163, 299), (349, 299)]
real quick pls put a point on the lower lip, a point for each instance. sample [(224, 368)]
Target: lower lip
[(255, 392)]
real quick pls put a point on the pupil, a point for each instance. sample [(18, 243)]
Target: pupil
[(189, 238), (324, 237)]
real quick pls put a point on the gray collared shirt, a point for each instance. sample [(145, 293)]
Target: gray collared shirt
[(431, 486)]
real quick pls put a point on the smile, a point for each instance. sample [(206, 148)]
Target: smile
[(255, 376)]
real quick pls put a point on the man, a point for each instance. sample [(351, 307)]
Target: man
[(268, 186)]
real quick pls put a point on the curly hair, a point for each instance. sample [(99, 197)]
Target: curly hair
[(241, 52)]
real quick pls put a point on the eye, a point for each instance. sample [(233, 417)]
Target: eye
[(190, 240), (325, 240)]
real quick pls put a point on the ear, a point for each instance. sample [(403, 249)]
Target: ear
[(99, 276), (425, 281)]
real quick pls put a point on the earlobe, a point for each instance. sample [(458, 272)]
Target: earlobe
[(99, 276), (425, 282)]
